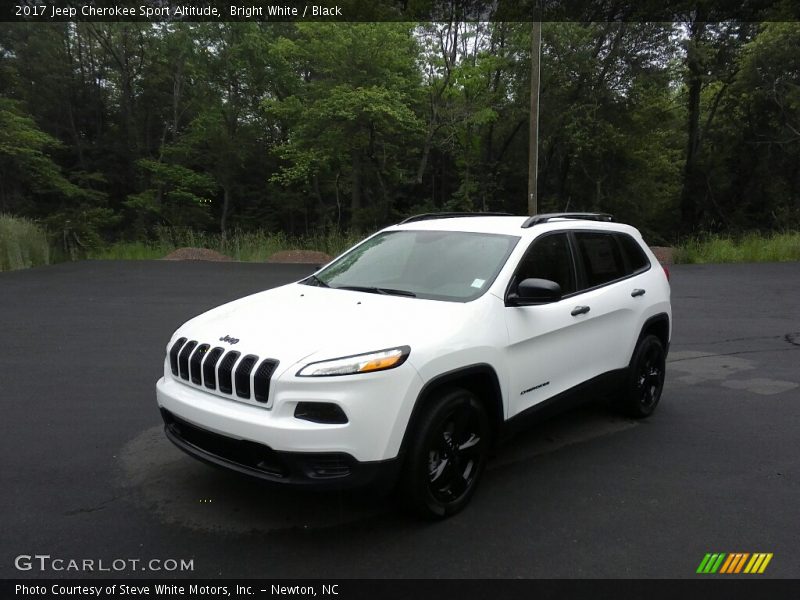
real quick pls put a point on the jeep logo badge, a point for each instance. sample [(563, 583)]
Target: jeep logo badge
[(229, 339)]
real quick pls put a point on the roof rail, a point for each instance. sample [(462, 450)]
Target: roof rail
[(544, 218), (448, 215)]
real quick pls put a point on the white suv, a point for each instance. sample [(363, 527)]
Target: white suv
[(406, 357)]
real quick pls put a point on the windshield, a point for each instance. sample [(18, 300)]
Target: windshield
[(437, 265)]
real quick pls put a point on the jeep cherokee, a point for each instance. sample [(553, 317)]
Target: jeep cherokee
[(406, 357)]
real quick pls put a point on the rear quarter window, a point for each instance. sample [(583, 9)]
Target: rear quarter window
[(635, 258)]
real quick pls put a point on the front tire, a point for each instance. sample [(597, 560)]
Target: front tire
[(645, 381), (447, 455)]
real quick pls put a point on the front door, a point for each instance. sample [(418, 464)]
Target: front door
[(549, 350)]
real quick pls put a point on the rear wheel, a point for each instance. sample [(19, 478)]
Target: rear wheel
[(447, 455), (645, 378)]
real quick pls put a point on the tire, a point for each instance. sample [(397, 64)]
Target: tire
[(447, 455), (645, 380)]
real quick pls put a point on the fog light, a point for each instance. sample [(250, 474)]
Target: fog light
[(320, 412)]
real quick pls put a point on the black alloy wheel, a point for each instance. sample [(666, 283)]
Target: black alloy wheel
[(447, 455), (646, 378)]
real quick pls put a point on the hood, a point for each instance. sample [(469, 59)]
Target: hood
[(297, 322)]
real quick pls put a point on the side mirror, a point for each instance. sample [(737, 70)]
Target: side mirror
[(535, 291)]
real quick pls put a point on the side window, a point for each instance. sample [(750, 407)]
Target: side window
[(602, 258), (549, 257), (636, 258)]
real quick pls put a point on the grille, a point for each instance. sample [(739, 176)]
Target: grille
[(243, 376), (173, 355), (225, 368), (183, 359), (210, 368), (261, 379), (222, 372), (194, 364)]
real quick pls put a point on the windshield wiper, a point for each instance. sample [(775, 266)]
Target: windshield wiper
[(376, 290), (316, 281)]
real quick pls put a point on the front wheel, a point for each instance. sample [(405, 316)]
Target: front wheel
[(645, 378), (447, 455)]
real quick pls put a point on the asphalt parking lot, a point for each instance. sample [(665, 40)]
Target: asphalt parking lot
[(87, 473)]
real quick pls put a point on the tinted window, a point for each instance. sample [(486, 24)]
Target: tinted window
[(549, 257), (602, 258), (637, 259)]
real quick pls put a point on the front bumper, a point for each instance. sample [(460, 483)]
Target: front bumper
[(320, 470), (376, 406)]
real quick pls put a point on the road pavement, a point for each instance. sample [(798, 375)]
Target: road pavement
[(87, 473)]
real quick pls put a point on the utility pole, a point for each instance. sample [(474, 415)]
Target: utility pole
[(533, 140)]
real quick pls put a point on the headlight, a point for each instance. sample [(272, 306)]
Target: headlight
[(358, 363)]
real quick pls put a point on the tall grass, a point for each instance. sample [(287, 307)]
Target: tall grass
[(252, 246), (22, 244), (753, 247)]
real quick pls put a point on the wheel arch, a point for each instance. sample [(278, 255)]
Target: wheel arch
[(657, 325), (479, 378)]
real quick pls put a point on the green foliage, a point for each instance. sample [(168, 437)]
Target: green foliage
[(23, 244), (110, 132), (177, 195), (753, 247), (250, 246), (344, 126), (25, 165)]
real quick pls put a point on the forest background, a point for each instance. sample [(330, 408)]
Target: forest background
[(145, 136)]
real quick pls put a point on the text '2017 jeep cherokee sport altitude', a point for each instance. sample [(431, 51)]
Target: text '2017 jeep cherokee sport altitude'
[(405, 357)]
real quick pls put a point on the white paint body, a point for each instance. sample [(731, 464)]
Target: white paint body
[(526, 346)]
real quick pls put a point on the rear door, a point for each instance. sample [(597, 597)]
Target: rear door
[(608, 273)]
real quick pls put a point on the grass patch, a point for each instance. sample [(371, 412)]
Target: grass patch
[(250, 246), (23, 244), (753, 247), (130, 251)]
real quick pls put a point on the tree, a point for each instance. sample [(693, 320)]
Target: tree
[(350, 109)]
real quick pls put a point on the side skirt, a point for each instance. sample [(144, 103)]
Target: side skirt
[(596, 389)]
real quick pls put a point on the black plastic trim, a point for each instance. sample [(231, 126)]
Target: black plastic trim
[(582, 216), (452, 215), (583, 393), (497, 413), (226, 365), (173, 354), (261, 380), (649, 323), (311, 470), (210, 367), (242, 376), (315, 412), (183, 359), (195, 361)]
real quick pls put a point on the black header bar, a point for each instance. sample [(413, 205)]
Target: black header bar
[(162, 11), (750, 588)]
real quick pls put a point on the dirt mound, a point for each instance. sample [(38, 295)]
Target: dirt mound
[(663, 254), (197, 254), (300, 257)]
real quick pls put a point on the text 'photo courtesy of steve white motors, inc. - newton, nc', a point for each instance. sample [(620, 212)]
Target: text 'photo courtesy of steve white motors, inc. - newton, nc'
[(191, 590), (264, 12)]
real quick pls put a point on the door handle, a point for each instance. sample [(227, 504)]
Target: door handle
[(638, 292), (579, 310)]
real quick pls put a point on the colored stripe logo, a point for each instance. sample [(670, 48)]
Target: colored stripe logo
[(734, 562)]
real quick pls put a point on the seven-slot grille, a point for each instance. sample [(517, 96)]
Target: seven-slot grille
[(222, 371)]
